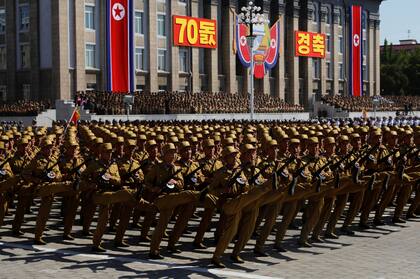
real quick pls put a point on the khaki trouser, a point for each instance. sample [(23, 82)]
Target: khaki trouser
[(46, 192), (105, 200), (232, 211)]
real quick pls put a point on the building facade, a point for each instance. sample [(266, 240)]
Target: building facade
[(51, 49)]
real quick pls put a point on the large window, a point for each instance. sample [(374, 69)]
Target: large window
[(3, 93), (365, 73), (90, 58), (25, 56), (140, 58), (341, 70), (2, 21), (90, 17), (364, 47), (161, 24), (3, 58), (316, 67), (183, 60), (328, 43), (24, 18), (329, 70), (139, 23), (341, 43), (340, 17), (162, 60)]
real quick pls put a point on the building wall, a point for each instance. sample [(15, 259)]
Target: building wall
[(59, 41)]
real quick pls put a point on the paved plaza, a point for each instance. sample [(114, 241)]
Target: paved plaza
[(385, 252)]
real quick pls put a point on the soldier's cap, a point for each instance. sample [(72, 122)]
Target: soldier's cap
[(151, 143), (217, 138), (99, 140), (393, 133), (2, 147), (313, 140), (120, 140), (329, 140), (107, 146), (142, 137), (4, 138), (304, 137), (295, 141), (228, 141), (408, 133), (72, 143), (229, 150), (208, 143), (185, 144), (247, 147), (131, 142), (194, 139), (344, 138), (168, 147), (377, 133), (23, 141), (283, 136), (355, 136), (273, 143), (48, 142), (174, 139)]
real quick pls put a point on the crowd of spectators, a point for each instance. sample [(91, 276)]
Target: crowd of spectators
[(103, 103), (23, 108), (366, 103)]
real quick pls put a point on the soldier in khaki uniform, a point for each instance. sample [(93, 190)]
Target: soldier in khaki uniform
[(42, 169), (232, 188), (166, 181), (193, 177), (132, 178), (299, 172), (6, 177), (67, 166), (211, 164), (250, 212), (273, 200), (151, 161)]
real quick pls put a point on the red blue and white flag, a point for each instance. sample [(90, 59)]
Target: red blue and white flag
[(356, 52), (120, 45)]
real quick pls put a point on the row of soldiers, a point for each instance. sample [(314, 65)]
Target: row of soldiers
[(248, 172)]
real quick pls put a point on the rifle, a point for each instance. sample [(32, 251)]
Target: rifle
[(75, 170), (104, 184), (401, 167), (235, 178), (169, 188), (2, 172), (296, 174), (191, 178), (284, 166)]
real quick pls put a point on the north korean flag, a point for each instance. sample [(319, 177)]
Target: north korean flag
[(356, 52), (120, 46)]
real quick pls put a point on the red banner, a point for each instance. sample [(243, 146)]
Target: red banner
[(120, 45), (194, 32), (356, 59), (309, 44)]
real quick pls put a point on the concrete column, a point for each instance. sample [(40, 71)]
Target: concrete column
[(370, 31), (323, 66), (293, 61), (307, 61), (334, 52), (230, 58), (152, 82), (11, 50), (195, 65), (60, 42), (174, 83), (34, 39), (279, 69), (377, 56), (102, 76), (80, 72), (212, 65), (266, 81)]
